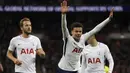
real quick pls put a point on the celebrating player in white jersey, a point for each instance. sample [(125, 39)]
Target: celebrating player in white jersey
[(73, 45), (94, 55), (27, 46)]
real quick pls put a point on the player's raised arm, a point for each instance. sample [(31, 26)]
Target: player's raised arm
[(64, 9), (110, 59), (99, 26)]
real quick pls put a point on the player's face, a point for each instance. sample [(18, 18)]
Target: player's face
[(27, 27), (76, 32)]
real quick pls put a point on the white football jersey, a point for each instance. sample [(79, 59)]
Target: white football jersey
[(26, 52), (94, 58), (70, 60)]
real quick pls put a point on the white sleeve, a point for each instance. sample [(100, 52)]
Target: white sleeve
[(12, 45), (83, 64), (110, 59), (38, 44), (96, 29), (65, 31)]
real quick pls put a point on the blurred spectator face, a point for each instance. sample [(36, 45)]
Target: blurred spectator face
[(76, 32), (27, 27)]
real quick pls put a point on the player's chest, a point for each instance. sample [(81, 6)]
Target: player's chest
[(75, 48), (95, 56), (25, 44), (95, 53)]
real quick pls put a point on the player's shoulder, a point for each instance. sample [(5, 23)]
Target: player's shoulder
[(87, 46), (82, 37), (34, 37), (15, 38), (102, 44), (69, 37)]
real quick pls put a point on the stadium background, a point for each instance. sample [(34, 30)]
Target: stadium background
[(46, 25)]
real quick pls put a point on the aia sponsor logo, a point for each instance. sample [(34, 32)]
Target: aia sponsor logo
[(27, 51), (76, 50), (94, 60)]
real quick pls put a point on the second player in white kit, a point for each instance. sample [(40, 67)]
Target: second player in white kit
[(93, 57)]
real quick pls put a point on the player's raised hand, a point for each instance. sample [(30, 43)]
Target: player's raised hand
[(18, 62), (111, 13), (64, 7)]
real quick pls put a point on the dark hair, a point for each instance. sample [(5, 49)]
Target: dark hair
[(76, 24), (22, 20)]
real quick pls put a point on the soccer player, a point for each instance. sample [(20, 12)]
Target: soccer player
[(73, 45), (94, 55), (27, 46)]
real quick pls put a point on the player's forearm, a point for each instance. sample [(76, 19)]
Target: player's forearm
[(97, 28), (10, 56), (111, 65), (111, 62), (63, 20), (101, 25), (64, 25)]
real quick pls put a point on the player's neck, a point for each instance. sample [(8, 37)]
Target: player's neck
[(25, 35), (77, 40)]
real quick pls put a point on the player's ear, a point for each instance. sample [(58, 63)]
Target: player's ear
[(21, 28), (71, 32)]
